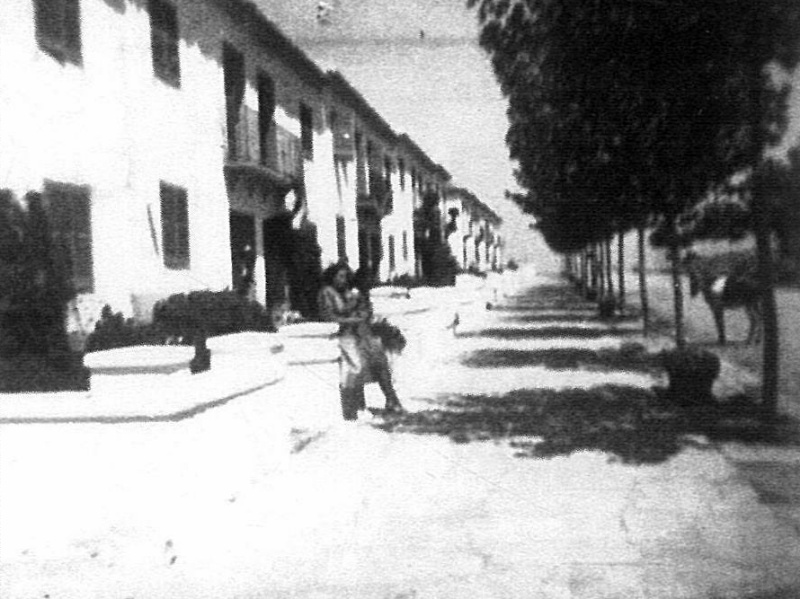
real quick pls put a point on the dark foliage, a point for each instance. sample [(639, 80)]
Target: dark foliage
[(35, 284), (114, 330), (299, 254), (35, 287), (185, 315), (406, 280), (439, 267), (473, 270)]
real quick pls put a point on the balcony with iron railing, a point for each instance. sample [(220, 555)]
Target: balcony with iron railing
[(271, 153)]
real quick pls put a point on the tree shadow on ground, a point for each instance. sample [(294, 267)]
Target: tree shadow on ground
[(549, 332), (567, 317), (627, 357), (565, 305), (633, 424)]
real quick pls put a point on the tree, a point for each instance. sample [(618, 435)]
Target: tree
[(663, 100), (438, 265)]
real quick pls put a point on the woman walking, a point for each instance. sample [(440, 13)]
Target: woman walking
[(358, 347), (374, 351)]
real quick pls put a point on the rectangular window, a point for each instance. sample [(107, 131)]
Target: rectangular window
[(58, 29), (405, 245), (391, 254), (164, 42), (401, 172), (174, 226), (69, 209), (307, 131)]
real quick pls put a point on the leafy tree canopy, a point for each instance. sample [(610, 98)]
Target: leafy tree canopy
[(623, 109)]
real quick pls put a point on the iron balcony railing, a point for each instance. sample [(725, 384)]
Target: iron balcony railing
[(270, 151)]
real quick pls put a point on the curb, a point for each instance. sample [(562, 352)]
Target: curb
[(120, 398)]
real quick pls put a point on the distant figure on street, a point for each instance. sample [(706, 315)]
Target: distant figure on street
[(454, 325)]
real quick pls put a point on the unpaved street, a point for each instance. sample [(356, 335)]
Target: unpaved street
[(534, 461)]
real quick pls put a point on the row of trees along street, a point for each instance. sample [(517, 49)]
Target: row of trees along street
[(627, 114)]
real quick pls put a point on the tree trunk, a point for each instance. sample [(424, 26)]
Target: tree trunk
[(601, 269), (621, 268), (643, 283), (677, 291), (609, 267), (584, 271), (770, 364)]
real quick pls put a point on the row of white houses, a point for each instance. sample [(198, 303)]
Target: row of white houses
[(167, 136)]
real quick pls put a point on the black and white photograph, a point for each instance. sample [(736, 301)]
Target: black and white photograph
[(399, 299)]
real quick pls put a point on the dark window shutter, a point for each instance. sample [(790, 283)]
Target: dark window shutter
[(164, 42), (72, 29), (58, 28), (174, 226), (48, 21)]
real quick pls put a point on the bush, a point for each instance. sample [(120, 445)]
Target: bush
[(35, 283), (185, 315), (692, 372), (512, 264), (475, 271), (114, 330), (444, 268), (406, 280)]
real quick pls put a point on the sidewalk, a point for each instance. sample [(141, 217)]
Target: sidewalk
[(153, 383)]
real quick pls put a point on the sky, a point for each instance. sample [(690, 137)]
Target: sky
[(418, 63)]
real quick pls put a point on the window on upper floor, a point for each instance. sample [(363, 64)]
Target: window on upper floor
[(174, 226), (307, 131), (164, 42), (405, 245), (69, 209), (58, 29)]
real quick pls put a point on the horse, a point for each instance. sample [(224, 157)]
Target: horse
[(739, 288)]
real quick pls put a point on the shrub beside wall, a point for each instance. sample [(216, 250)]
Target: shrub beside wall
[(35, 287), (210, 313)]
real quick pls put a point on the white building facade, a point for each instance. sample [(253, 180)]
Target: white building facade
[(178, 144)]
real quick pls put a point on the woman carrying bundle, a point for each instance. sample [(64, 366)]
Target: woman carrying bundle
[(362, 354)]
